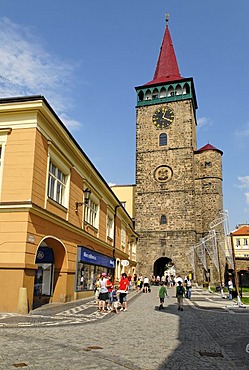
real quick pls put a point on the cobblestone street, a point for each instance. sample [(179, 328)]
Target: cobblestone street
[(210, 333)]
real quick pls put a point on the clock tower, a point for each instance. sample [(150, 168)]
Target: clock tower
[(169, 196)]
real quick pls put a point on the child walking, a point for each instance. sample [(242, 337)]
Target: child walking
[(162, 293), (115, 299)]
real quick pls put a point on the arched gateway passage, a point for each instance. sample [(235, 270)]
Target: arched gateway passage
[(161, 264)]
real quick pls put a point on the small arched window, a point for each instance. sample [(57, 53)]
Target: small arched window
[(163, 139), (163, 220), (141, 96)]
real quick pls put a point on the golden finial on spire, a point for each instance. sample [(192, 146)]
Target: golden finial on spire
[(167, 17)]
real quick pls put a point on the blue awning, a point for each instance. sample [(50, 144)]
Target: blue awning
[(44, 255)]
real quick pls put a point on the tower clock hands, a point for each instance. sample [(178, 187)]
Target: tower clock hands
[(163, 117)]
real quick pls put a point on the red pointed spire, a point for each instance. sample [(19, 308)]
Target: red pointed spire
[(167, 67), (208, 147)]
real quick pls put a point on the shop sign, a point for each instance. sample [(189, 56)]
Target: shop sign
[(95, 258), (125, 263), (44, 255)]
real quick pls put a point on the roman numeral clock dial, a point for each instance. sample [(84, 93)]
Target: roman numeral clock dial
[(163, 117)]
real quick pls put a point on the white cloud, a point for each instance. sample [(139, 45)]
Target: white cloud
[(203, 122), (243, 133), (69, 122), (247, 198), (243, 182), (26, 68)]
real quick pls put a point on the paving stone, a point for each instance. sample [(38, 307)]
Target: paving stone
[(143, 338)]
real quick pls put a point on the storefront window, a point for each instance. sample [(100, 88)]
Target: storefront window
[(90, 265), (88, 275)]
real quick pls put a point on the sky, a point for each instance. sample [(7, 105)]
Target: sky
[(87, 56)]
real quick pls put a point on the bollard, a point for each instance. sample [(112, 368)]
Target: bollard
[(23, 301)]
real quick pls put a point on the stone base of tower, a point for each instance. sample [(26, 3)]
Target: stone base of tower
[(159, 251), (169, 247)]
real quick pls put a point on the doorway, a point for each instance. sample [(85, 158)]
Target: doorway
[(44, 276)]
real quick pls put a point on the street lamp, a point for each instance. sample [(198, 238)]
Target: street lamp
[(87, 193)]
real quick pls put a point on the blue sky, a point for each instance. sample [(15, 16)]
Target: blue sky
[(86, 57)]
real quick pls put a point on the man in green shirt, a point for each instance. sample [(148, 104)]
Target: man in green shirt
[(162, 292)]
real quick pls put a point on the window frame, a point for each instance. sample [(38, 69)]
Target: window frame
[(123, 236), (91, 212), (163, 217), (64, 168), (110, 226), (4, 132), (163, 139)]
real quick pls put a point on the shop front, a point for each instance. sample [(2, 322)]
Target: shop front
[(90, 264)]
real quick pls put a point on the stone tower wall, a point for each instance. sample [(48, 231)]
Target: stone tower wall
[(174, 198), (209, 203), (190, 196)]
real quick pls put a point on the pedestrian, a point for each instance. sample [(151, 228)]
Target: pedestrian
[(115, 302), (139, 284), (97, 289), (123, 290), (230, 288), (180, 291), (135, 281), (129, 278), (177, 279), (188, 288), (162, 292), (146, 285), (163, 279), (109, 285), (103, 293)]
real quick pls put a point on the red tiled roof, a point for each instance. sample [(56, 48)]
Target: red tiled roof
[(208, 147), (167, 67), (243, 230)]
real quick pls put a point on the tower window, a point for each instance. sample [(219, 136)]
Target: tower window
[(141, 96), (208, 164), (163, 139), (163, 243), (163, 220), (155, 94)]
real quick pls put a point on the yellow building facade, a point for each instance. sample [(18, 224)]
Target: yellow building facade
[(126, 195), (240, 240), (60, 223)]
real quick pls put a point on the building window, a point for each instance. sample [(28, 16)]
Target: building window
[(237, 243), (56, 184), (163, 139), (110, 224), (123, 237), (163, 220), (245, 241), (91, 213)]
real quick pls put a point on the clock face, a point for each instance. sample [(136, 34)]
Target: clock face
[(163, 117)]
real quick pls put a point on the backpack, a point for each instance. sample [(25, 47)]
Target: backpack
[(180, 290)]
